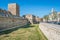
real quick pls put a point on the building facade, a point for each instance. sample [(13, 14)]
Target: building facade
[(30, 18), (58, 16), (37, 19), (53, 15), (14, 9)]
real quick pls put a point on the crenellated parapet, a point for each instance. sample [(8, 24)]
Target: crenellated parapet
[(4, 13)]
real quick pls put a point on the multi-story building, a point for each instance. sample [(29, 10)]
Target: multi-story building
[(58, 16), (14, 9), (30, 18), (53, 15), (37, 19)]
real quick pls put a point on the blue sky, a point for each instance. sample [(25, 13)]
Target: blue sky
[(35, 7)]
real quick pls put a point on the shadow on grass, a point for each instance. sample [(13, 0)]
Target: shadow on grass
[(14, 29)]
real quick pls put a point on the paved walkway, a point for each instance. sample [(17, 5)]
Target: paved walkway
[(51, 31)]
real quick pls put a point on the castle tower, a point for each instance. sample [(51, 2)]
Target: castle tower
[(14, 9)]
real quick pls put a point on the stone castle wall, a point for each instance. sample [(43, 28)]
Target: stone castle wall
[(7, 22)]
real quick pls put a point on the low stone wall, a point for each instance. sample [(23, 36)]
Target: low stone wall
[(7, 22), (52, 32)]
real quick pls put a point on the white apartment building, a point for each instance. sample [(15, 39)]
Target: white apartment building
[(58, 16)]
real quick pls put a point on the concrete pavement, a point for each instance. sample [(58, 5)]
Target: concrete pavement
[(51, 31)]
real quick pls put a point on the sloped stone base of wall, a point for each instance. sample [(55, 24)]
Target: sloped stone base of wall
[(7, 22)]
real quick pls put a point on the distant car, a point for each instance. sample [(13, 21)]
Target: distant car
[(55, 22), (52, 22), (58, 23), (49, 22)]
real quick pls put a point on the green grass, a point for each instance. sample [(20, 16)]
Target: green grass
[(29, 32)]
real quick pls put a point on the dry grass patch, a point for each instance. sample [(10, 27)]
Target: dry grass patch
[(29, 33)]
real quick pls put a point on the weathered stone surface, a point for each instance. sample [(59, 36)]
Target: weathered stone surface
[(14, 9), (7, 22)]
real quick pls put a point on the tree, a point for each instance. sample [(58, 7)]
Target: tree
[(24, 16), (46, 17)]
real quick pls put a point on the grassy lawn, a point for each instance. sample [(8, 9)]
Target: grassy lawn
[(30, 32)]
